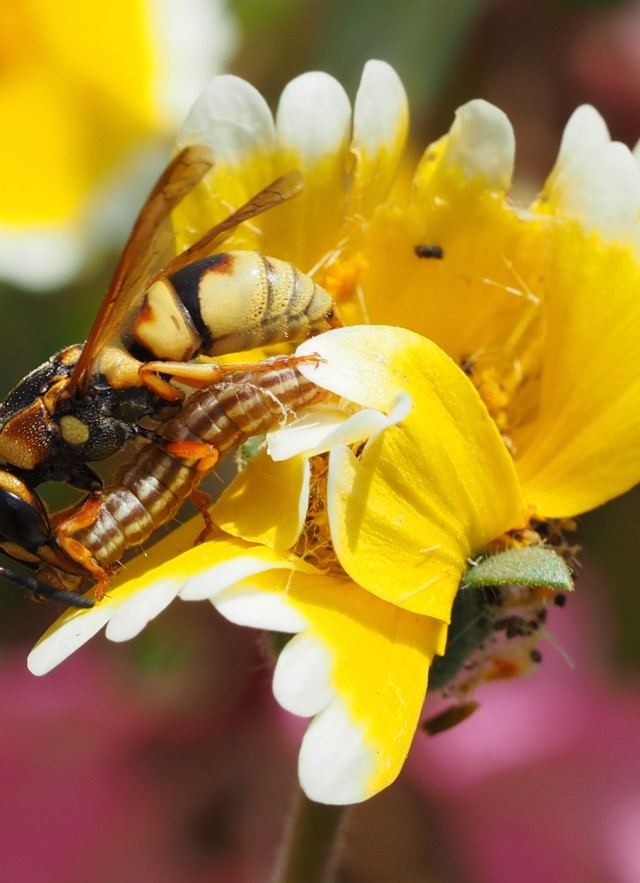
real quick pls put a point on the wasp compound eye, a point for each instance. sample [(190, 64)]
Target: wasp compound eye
[(23, 519)]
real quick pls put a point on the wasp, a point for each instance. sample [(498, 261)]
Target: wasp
[(87, 401), (83, 541)]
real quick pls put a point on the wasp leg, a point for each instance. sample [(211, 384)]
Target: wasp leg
[(84, 517), (202, 501), (201, 374), (205, 456), (41, 590)]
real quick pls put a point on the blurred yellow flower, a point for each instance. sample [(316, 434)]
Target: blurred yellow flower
[(86, 90), (507, 390)]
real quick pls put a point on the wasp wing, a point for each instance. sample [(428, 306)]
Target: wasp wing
[(142, 253), (278, 191)]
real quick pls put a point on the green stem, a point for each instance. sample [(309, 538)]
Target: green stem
[(310, 848)]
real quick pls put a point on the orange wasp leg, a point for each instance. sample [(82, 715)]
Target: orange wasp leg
[(84, 517), (202, 374), (206, 456), (202, 501)]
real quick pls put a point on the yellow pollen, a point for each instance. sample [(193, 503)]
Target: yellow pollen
[(315, 545), (341, 277)]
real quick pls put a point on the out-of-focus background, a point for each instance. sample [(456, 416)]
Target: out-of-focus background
[(166, 758)]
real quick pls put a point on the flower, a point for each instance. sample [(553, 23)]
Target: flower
[(101, 119), (385, 625), (462, 430)]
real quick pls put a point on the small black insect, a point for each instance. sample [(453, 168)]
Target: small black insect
[(429, 251)]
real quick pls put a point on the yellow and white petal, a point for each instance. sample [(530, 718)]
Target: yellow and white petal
[(489, 270), (130, 605), (380, 126), (319, 430), (360, 666), (582, 446), (481, 144), (428, 492), (143, 588), (313, 123), (266, 502), (70, 632), (594, 180), (356, 363), (232, 118)]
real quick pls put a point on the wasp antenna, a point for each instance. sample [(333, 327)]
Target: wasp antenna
[(49, 592)]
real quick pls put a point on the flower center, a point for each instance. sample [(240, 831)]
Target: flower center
[(315, 545), (508, 378)]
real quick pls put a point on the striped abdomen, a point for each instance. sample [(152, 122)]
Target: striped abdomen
[(227, 303), (150, 490)]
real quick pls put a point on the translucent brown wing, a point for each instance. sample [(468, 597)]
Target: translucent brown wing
[(278, 191), (144, 249)]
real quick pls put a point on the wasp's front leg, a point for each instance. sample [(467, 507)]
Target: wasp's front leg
[(201, 374)]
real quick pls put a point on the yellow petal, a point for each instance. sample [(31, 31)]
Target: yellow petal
[(427, 493), (583, 446), (266, 502), (486, 283)]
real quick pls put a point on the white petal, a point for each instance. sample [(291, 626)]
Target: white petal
[(602, 190), (335, 764), (314, 117), (594, 179), (319, 431), (40, 258), (381, 109), (257, 608), (231, 117), (130, 618), (56, 646), (584, 134), (355, 367), (481, 142), (302, 677), (195, 40), (380, 126)]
